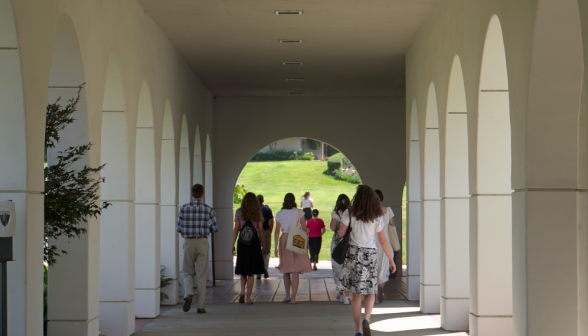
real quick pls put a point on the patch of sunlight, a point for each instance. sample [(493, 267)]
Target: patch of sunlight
[(399, 310), (405, 324)]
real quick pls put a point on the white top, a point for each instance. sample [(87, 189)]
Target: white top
[(363, 234), (387, 216), (306, 203), (289, 218)]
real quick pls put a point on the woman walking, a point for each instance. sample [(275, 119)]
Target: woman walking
[(248, 221), (316, 230), (359, 272), (341, 206), (384, 273), (307, 203), (291, 264)]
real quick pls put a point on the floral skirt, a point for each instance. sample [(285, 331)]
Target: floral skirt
[(359, 272)]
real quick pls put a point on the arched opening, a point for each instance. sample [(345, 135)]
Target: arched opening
[(72, 300), (117, 234), (197, 175), (168, 208), (455, 219), (147, 220), (209, 199), (184, 169), (295, 165), (491, 203), (25, 274), (431, 235), (414, 209)]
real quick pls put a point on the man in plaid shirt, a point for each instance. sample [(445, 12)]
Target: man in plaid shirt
[(195, 222)]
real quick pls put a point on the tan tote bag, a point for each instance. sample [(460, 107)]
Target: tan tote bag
[(297, 238), (394, 241)]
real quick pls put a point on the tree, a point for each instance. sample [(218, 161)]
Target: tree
[(71, 196)]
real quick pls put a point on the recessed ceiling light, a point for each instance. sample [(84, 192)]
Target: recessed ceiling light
[(294, 79), (292, 63), (289, 41), (289, 12)]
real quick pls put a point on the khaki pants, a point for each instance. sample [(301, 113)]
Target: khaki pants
[(267, 247), (195, 252)]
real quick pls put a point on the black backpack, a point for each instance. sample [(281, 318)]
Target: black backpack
[(247, 234)]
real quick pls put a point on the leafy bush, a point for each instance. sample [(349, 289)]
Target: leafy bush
[(353, 178), (281, 155), (164, 281), (312, 144), (240, 191), (336, 162)]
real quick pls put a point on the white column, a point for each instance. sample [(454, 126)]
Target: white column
[(413, 249), (169, 252), (455, 287), (222, 242), (117, 269), (147, 259), (491, 258), (430, 257)]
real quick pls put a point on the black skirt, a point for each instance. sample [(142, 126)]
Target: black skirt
[(250, 258), (307, 213)]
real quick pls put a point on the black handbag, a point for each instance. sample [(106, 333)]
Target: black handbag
[(247, 234), (340, 251)]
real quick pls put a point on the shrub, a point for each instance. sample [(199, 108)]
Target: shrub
[(336, 162), (164, 281), (280, 155), (312, 144), (240, 191), (353, 178)]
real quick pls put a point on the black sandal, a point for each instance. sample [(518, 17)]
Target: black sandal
[(366, 328)]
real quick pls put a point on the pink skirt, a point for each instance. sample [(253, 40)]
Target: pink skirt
[(291, 262)]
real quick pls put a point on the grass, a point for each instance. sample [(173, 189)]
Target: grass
[(275, 179)]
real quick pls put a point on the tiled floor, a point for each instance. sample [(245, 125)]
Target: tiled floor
[(317, 313)]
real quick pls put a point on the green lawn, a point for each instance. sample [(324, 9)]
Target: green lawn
[(274, 179)]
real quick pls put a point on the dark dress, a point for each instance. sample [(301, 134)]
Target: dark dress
[(249, 258)]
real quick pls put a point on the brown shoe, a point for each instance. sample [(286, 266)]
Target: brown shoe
[(242, 298), (266, 275), (201, 311), (187, 303)]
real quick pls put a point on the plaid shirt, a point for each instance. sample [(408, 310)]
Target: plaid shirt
[(196, 219)]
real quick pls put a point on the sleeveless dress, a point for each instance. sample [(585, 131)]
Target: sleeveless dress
[(290, 262), (383, 261), (249, 258)]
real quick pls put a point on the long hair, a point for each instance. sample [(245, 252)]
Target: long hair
[(250, 208), (306, 195), (289, 201), (366, 204), (343, 203)]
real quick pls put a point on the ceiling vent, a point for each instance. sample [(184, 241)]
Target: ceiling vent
[(294, 79), (292, 63), (288, 12), (289, 41)]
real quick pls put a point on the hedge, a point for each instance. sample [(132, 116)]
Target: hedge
[(337, 162), (281, 155)]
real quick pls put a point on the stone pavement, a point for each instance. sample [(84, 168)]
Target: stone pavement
[(317, 313)]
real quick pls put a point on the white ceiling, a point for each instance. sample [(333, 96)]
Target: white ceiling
[(350, 47)]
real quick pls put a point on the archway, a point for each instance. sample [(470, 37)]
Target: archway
[(491, 202), (147, 221), (209, 199), (456, 208), (64, 312), (294, 165), (414, 209), (168, 207), (431, 235), (117, 235), (25, 274)]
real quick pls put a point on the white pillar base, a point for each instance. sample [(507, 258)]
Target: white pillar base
[(171, 291), (455, 314), (147, 303), (73, 328), (414, 287), (430, 299), (490, 326), (117, 318)]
